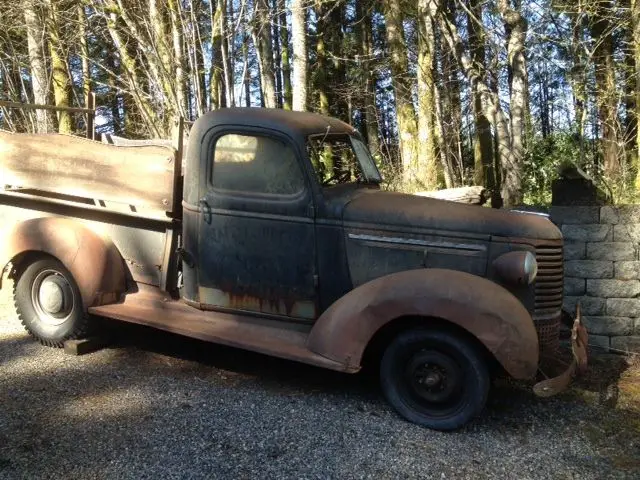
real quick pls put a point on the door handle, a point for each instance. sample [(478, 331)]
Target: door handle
[(206, 210)]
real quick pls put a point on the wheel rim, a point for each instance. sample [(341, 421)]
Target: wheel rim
[(433, 381), (52, 297)]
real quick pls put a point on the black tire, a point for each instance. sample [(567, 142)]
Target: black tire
[(50, 318), (437, 379)]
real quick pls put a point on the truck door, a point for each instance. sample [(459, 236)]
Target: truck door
[(256, 230)]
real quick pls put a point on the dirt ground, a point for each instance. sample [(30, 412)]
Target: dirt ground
[(154, 405)]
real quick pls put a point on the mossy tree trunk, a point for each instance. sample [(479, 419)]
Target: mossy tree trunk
[(402, 86)]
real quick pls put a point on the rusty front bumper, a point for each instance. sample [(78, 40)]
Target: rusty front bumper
[(579, 341)]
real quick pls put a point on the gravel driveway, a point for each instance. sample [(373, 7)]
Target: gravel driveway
[(155, 405)]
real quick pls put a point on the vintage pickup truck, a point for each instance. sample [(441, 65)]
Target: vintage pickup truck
[(276, 237)]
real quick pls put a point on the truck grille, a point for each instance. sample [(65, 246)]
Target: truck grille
[(548, 296)]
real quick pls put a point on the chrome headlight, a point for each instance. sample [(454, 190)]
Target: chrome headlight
[(517, 267)]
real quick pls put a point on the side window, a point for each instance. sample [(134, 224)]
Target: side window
[(256, 164)]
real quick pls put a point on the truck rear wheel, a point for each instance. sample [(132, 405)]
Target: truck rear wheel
[(436, 379), (48, 302)]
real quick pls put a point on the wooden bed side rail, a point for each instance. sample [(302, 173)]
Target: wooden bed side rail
[(140, 176)]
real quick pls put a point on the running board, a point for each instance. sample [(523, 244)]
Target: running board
[(154, 308)]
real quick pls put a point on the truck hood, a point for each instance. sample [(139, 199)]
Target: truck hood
[(410, 211)]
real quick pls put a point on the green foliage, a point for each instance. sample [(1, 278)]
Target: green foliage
[(391, 176), (544, 160)]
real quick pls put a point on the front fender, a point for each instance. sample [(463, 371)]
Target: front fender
[(486, 310), (94, 262)]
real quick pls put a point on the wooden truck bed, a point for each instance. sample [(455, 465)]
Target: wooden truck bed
[(138, 179), (129, 193)]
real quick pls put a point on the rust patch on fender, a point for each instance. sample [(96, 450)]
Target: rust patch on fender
[(94, 262), (484, 309)]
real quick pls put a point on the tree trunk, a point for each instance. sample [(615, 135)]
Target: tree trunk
[(178, 64), (111, 99), (630, 108), (133, 81), (369, 107), (452, 136), (451, 104), (606, 91), (491, 106), (635, 22), (287, 93), (216, 77), (60, 70), (482, 141), (402, 84), (227, 58), (262, 41), (161, 60), (516, 25), (197, 74), (329, 77), (277, 53), (368, 78), (427, 166), (84, 52), (339, 91), (37, 47), (300, 67), (246, 74), (321, 76)]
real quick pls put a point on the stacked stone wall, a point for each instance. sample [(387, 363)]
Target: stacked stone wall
[(602, 271)]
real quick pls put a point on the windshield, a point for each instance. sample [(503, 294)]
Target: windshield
[(339, 159)]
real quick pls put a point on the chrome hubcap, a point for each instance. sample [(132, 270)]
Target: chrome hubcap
[(52, 297)]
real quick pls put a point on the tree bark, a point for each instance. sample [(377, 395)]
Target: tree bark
[(197, 70), (482, 141), (635, 25), (134, 82), (368, 105), (491, 105), (300, 67), (227, 57), (216, 77), (427, 166), (60, 70), (262, 41), (516, 25), (451, 133), (178, 63), (287, 93), (84, 52), (161, 59), (246, 74), (402, 85), (606, 92), (277, 52), (37, 47), (340, 93), (321, 76), (631, 121)]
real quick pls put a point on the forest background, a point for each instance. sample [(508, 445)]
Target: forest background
[(447, 93)]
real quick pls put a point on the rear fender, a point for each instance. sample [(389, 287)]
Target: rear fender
[(486, 310), (94, 262)]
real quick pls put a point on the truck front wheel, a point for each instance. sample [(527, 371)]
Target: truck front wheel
[(434, 378), (48, 301)]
